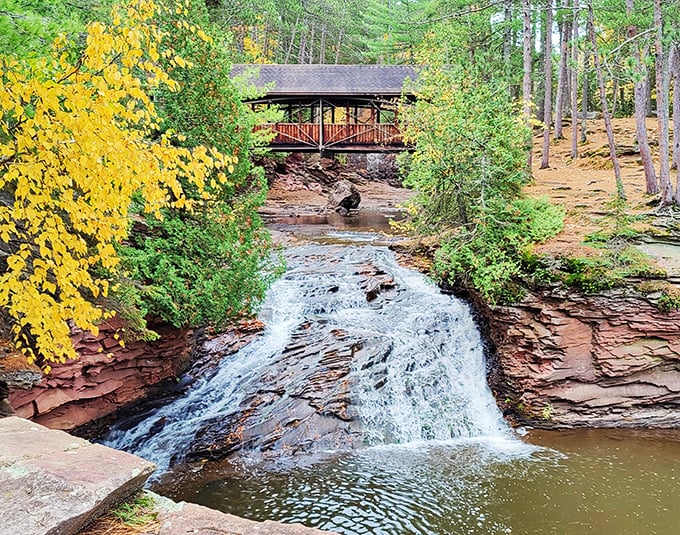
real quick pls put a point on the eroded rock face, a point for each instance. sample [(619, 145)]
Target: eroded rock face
[(574, 360), (311, 172), (105, 378)]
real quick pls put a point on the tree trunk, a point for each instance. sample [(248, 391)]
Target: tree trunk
[(662, 89), (605, 107), (574, 82), (676, 106), (640, 92), (565, 30), (339, 46), (526, 82), (584, 97), (615, 95), (507, 43), (539, 91), (289, 49), (322, 46), (547, 103), (303, 48), (310, 45)]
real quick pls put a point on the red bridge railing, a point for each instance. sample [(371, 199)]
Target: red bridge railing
[(306, 136)]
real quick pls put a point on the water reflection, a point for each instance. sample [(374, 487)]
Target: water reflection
[(358, 221), (578, 482)]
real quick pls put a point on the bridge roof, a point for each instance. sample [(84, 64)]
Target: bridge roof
[(331, 80)]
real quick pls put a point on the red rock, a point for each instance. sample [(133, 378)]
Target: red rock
[(95, 385), (579, 360)]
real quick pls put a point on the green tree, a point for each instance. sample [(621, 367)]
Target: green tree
[(28, 27), (212, 264), (469, 167)]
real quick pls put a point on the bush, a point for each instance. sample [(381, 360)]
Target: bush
[(492, 257)]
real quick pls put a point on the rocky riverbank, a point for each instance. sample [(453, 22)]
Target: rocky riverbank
[(562, 359)]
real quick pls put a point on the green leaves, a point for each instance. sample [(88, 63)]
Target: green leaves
[(469, 146), (200, 270), (491, 255), (210, 265), (469, 167)]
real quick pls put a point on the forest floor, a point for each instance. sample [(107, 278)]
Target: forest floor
[(586, 186)]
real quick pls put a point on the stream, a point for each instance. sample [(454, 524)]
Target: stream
[(426, 450)]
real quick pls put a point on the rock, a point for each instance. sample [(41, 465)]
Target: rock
[(191, 518), (5, 408), (344, 197), (15, 370), (610, 360), (302, 404), (106, 378), (53, 483)]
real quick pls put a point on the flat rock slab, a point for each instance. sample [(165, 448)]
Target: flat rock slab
[(191, 518), (54, 484)]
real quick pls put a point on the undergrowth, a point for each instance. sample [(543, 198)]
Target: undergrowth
[(496, 257), (492, 257), (615, 262)]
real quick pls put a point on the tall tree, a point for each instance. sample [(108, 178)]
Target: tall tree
[(573, 86), (547, 103), (527, 79), (640, 79), (662, 92), (676, 105), (603, 101), (564, 24)]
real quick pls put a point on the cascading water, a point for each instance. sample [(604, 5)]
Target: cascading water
[(424, 381)]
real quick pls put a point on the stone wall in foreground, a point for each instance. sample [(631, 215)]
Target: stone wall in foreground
[(564, 359), (105, 378)]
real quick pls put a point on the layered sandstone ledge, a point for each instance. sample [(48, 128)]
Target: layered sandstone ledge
[(53, 483), (105, 378), (563, 359)]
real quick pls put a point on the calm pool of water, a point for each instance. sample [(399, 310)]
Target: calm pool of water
[(570, 482)]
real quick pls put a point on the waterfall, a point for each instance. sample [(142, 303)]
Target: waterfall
[(424, 378)]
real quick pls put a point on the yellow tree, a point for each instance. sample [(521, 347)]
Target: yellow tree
[(75, 155)]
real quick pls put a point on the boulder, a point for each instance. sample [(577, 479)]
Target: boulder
[(344, 197), (56, 484)]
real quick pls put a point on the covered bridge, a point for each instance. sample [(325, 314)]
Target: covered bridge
[(339, 108)]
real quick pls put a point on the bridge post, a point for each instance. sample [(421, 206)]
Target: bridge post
[(321, 140)]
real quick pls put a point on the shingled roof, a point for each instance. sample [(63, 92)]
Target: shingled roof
[(331, 80)]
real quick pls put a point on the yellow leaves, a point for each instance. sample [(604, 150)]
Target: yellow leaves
[(204, 36), (73, 167)]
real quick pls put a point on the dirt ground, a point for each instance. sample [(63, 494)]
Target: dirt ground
[(586, 186)]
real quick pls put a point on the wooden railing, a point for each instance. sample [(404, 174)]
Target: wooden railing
[(335, 135)]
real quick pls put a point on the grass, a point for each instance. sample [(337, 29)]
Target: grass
[(137, 517)]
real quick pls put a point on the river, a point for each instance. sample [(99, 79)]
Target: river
[(435, 455)]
